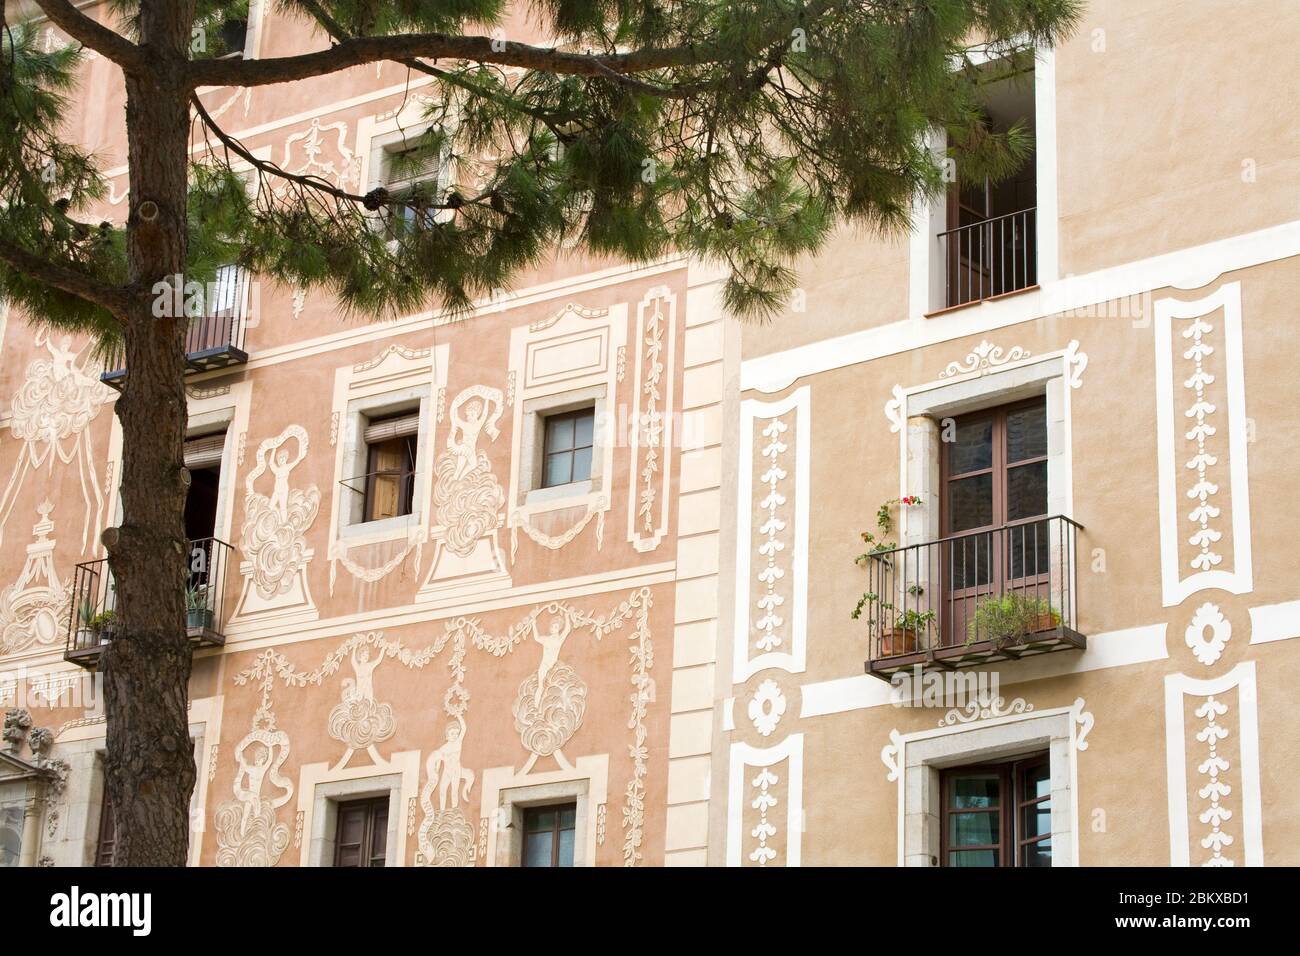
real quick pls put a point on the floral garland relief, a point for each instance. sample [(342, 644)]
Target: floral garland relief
[(548, 710)]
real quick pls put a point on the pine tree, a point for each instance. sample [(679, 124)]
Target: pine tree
[(738, 131)]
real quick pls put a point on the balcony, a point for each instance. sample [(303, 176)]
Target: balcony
[(214, 339), (975, 598), (91, 621), (989, 258)]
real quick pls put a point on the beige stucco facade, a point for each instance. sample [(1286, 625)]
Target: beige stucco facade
[(1162, 317), (702, 698)]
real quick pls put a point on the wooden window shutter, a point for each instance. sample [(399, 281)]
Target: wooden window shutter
[(390, 428), (205, 452)]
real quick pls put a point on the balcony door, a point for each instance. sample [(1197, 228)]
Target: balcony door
[(994, 471)]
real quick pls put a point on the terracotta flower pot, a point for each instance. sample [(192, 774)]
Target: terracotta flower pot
[(896, 641)]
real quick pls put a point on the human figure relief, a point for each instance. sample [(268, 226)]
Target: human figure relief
[(446, 837), (248, 832), (445, 771), (556, 635), (467, 497), (551, 702), (358, 720), (51, 416), (273, 535)]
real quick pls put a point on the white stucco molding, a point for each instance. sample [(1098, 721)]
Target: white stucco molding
[(744, 756), (1245, 777)]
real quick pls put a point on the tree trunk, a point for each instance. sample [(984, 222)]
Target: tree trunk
[(146, 667)]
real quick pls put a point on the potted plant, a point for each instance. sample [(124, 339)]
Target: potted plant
[(102, 624), (198, 615), (899, 633), (1001, 619), (86, 633)]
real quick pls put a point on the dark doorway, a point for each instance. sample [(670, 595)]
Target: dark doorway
[(201, 503)]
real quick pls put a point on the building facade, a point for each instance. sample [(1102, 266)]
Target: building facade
[(1063, 410), (582, 578), (449, 577)]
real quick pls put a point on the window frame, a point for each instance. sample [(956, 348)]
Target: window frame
[(370, 806), (552, 420), (1011, 777), (531, 812), (405, 474)]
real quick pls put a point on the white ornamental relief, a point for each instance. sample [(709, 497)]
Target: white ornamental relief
[(273, 538), (50, 417), (359, 721), (248, 831), (1202, 436), (551, 702), (764, 830), (1214, 769), (983, 357), (767, 707), (35, 607), (772, 553), (1208, 633), (769, 602), (307, 153), (1203, 489), (467, 498), (985, 708), (656, 335)]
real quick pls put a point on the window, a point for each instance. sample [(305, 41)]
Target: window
[(412, 169), (361, 834), (548, 835), (391, 447), (568, 445), (107, 840), (998, 814), (995, 476), (989, 246)]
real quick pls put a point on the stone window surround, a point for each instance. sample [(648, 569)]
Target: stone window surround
[(925, 757), (531, 451), (327, 796), (356, 459), (512, 801)]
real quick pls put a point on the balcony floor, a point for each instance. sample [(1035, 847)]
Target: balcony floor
[(960, 656)]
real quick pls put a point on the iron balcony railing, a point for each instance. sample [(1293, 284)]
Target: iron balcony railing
[(982, 595), (215, 337), (990, 258), (92, 622)]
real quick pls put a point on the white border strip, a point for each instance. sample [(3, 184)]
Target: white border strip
[(1178, 686), (744, 667), (1239, 580)]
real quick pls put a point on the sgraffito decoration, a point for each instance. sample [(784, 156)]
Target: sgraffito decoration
[(36, 606), (548, 709), (273, 538), (652, 434), (50, 416)]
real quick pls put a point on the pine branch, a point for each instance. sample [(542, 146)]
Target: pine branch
[(359, 51), (114, 299), (93, 34)]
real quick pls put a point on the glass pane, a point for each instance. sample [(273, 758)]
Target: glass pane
[(973, 858), (970, 503), (541, 820), (583, 427), (559, 433), (537, 849), (1037, 819), (974, 829), (968, 561), (1027, 433), (1036, 782), (972, 447), (1027, 491), (557, 469), (582, 464), (1037, 854), (975, 791), (566, 848), (1029, 553), (568, 817)]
